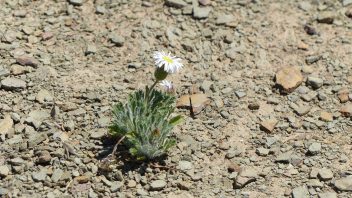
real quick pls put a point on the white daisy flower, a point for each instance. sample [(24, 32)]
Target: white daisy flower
[(168, 86), (170, 63)]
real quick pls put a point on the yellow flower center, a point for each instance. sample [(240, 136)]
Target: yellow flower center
[(168, 59)]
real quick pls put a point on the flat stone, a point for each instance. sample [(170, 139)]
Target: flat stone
[(44, 96), (16, 161), (326, 116), (326, 17), (76, 2), (11, 83), (3, 191), (117, 40), (224, 19), (284, 157), (91, 49), (346, 2), (116, 186), (343, 94), (314, 148), (204, 2), (36, 117), (175, 3), (289, 78), (5, 126), (301, 110), (268, 125), (344, 184), (4, 171), (98, 134), (325, 174), (327, 195), (262, 151), (305, 6), (315, 183), (201, 12), (18, 69), (157, 185), (315, 82), (245, 177), (55, 177), (185, 165), (35, 139), (100, 9), (346, 110), (39, 176), (4, 72), (27, 61), (300, 192)]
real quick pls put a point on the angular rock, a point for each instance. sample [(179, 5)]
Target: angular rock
[(224, 19), (5, 126), (346, 110), (245, 177), (268, 125), (55, 177), (300, 192), (117, 40), (315, 82), (327, 195), (289, 78), (346, 2), (326, 116), (175, 3), (36, 117), (325, 174), (343, 94), (39, 176), (201, 12), (27, 61), (326, 17), (44, 96), (91, 49), (344, 184), (4, 171), (185, 165), (76, 2), (314, 148), (157, 185), (10, 84), (284, 157)]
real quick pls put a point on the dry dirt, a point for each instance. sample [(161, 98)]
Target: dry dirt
[(63, 64)]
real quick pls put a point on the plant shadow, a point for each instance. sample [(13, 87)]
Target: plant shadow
[(122, 159)]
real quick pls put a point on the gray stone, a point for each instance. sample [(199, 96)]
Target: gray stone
[(39, 176), (98, 134), (76, 2), (104, 121), (224, 19), (10, 84), (312, 59), (16, 161), (314, 148), (175, 3), (116, 186), (262, 151), (100, 10), (3, 191), (325, 174), (185, 165), (4, 72), (301, 110), (36, 117), (344, 184), (69, 125), (315, 82), (91, 49), (157, 185), (35, 139), (44, 96), (326, 17), (327, 195), (315, 183), (300, 192), (4, 171), (284, 157), (117, 40), (245, 177), (305, 6), (201, 12), (346, 2), (55, 177), (240, 94)]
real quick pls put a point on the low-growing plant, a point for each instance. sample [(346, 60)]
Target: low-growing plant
[(144, 121)]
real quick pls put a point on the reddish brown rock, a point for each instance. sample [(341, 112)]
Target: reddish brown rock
[(268, 125), (289, 78), (27, 61), (326, 116), (343, 94)]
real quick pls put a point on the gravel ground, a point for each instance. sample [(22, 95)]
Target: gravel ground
[(278, 74)]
